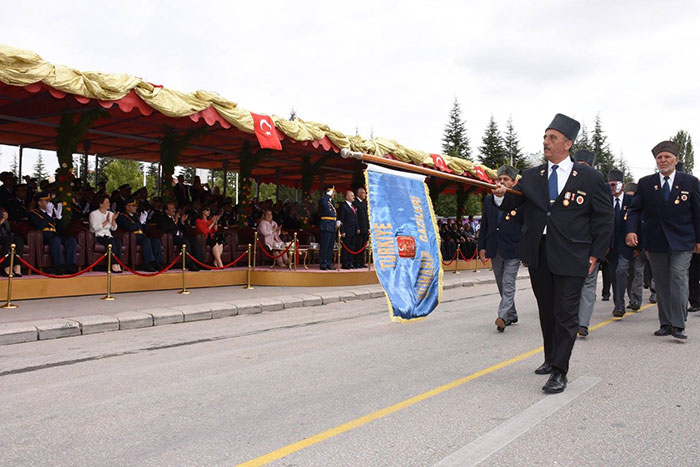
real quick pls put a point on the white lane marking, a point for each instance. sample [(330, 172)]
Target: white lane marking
[(486, 445)]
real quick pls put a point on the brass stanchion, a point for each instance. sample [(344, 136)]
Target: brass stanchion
[(457, 259), (248, 286), (9, 304), (184, 290), (340, 248), (255, 249), (295, 254), (109, 275), (476, 258)]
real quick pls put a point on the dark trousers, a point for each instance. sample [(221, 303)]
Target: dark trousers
[(192, 246), (6, 241), (114, 241), (347, 258), (607, 278), (558, 298), (694, 281), (55, 241), (325, 253), (151, 249), (361, 241), (618, 292)]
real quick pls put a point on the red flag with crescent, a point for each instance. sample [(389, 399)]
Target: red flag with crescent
[(481, 174), (439, 162), (266, 132)]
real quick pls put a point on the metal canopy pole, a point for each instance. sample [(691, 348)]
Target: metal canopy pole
[(21, 153), (225, 164)]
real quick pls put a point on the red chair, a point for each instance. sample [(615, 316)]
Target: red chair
[(95, 250)]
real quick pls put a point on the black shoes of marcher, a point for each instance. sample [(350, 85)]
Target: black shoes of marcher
[(511, 321), (679, 333), (606, 298), (556, 383), (583, 331), (500, 325), (544, 369), (635, 306), (693, 309), (663, 331), (652, 299), (618, 313)]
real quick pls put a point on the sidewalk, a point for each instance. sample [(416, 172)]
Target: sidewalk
[(73, 316)]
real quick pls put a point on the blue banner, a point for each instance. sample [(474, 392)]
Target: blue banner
[(404, 242)]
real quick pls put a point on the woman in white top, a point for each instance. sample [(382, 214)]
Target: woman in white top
[(102, 222), (271, 233)]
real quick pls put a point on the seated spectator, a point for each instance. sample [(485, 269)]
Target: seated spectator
[(208, 226), (7, 238), (151, 248), (173, 222), (270, 231), (102, 223), (17, 206), (54, 236)]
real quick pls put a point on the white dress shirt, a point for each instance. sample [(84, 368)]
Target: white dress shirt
[(670, 180), (96, 223)]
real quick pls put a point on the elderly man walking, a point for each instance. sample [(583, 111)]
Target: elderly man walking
[(566, 232), (668, 203)]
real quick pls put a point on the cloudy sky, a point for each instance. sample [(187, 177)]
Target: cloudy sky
[(394, 68)]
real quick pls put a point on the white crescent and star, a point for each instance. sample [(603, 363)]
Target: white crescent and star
[(265, 122)]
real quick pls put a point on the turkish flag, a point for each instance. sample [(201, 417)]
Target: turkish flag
[(266, 132), (481, 174), (439, 162)]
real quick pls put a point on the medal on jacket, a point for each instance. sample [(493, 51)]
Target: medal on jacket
[(677, 201), (565, 202)]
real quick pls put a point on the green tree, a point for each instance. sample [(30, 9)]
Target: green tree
[(102, 164), (152, 178), (514, 153), (492, 152), (121, 171), (40, 172), (14, 167), (625, 169), (604, 159), (455, 141), (583, 141), (189, 173), (687, 154)]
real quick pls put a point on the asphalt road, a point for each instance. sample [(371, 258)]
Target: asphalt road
[(227, 391)]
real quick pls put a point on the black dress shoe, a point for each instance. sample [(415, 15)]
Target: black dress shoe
[(663, 331), (500, 325), (693, 309), (679, 333), (511, 321), (606, 298), (544, 369), (150, 268), (583, 331), (652, 298), (618, 313), (635, 306), (556, 383)]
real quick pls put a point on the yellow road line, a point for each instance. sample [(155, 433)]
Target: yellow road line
[(358, 422)]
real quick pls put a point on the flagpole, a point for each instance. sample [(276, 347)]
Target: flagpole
[(346, 153)]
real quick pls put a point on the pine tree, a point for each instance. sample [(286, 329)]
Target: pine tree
[(493, 153), (14, 167), (514, 154), (604, 159), (189, 173), (583, 141), (102, 163), (455, 141), (40, 172), (687, 154), (625, 169), (152, 178)]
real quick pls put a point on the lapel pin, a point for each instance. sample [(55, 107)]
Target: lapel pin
[(656, 187), (676, 201), (574, 173), (542, 172)]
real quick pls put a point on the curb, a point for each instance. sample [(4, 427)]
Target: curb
[(15, 333)]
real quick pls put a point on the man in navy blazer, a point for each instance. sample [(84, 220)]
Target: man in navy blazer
[(620, 253), (668, 203), (498, 240)]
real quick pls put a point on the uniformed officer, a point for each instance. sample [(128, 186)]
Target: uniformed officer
[(668, 203), (498, 240), (132, 222), (566, 232), (52, 231), (326, 227)]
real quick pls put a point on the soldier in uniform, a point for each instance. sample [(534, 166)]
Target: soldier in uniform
[(52, 231), (498, 240), (566, 232), (668, 203), (132, 222), (326, 227)]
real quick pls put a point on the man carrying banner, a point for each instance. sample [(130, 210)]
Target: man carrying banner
[(326, 227), (566, 232), (498, 241)]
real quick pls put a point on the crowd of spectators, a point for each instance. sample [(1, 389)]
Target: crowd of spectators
[(455, 235)]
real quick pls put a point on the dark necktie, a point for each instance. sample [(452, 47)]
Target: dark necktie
[(553, 185), (666, 189), (617, 209)]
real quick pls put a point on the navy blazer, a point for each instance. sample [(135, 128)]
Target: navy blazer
[(668, 225), (618, 246), (348, 219), (500, 236)]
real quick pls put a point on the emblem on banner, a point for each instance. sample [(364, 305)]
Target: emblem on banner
[(406, 245)]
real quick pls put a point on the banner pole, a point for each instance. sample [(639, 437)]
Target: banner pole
[(9, 304), (109, 297), (184, 290)]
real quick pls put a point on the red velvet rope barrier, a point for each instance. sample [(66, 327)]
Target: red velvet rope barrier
[(262, 247), (453, 259), (465, 259), (148, 274), (354, 252), (4, 258), (56, 276), (232, 263)]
